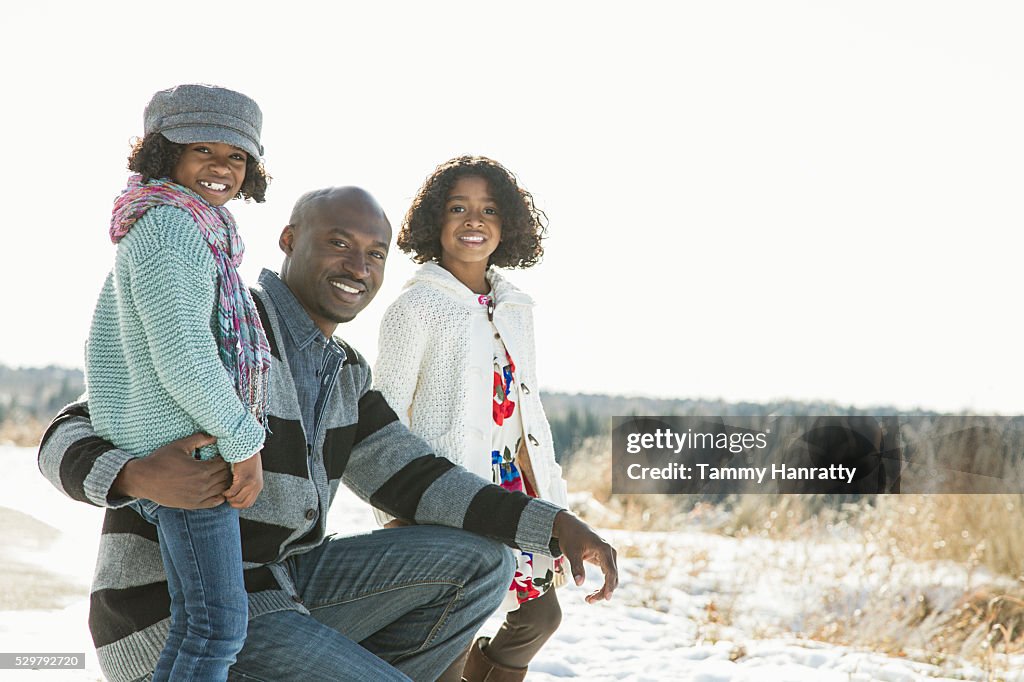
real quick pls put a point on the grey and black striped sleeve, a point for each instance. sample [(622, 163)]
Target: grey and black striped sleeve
[(395, 471), (79, 463)]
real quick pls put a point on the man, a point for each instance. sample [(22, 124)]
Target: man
[(388, 605)]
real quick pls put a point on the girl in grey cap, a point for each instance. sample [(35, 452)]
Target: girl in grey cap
[(176, 346)]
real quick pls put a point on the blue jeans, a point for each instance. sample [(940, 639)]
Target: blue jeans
[(393, 604), (202, 555)]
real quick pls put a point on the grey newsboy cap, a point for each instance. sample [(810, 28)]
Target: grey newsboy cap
[(206, 113)]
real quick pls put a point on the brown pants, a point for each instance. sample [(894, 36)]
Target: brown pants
[(519, 638), (525, 631)]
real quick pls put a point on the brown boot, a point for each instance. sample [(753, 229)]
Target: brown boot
[(480, 668)]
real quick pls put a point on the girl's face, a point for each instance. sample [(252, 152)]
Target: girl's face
[(213, 170), (470, 226)]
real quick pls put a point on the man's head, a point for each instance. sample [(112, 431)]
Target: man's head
[(335, 246)]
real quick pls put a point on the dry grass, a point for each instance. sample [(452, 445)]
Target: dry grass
[(980, 533), (589, 470), (973, 530), (21, 432)]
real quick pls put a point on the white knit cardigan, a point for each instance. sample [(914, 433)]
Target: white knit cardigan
[(435, 368)]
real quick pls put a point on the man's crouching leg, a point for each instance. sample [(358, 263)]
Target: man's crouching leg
[(410, 597), (445, 623)]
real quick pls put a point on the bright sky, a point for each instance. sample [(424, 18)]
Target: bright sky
[(748, 200)]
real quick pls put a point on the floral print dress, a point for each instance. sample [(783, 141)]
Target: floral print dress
[(535, 574)]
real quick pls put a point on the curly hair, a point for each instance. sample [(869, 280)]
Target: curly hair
[(154, 156), (523, 225)]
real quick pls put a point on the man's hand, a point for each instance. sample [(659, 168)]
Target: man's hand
[(172, 477), (579, 543), (247, 483)]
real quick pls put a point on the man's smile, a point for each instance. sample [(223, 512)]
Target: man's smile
[(348, 289)]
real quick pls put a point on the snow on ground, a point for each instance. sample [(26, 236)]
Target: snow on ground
[(691, 606)]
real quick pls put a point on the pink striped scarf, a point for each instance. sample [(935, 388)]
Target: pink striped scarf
[(241, 340)]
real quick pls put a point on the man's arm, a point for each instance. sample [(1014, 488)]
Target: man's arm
[(89, 469), (395, 471)]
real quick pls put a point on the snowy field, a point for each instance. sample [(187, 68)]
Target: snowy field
[(691, 606)]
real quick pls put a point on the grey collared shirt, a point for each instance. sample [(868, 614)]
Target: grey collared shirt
[(314, 359)]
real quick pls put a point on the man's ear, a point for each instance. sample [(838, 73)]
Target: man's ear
[(287, 239)]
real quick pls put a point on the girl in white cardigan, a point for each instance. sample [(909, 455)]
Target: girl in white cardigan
[(456, 362)]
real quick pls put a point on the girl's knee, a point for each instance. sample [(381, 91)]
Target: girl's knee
[(552, 612), (540, 616), (553, 615)]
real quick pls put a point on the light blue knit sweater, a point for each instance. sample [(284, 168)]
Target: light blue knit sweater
[(152, 367)]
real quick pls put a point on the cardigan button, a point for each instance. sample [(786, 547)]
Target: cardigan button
[(533, 441), (310, 514), (526, 389)]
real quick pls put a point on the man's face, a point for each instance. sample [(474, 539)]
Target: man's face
[(335, 259)]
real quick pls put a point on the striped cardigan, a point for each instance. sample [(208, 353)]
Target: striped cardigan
[(362, 445)]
